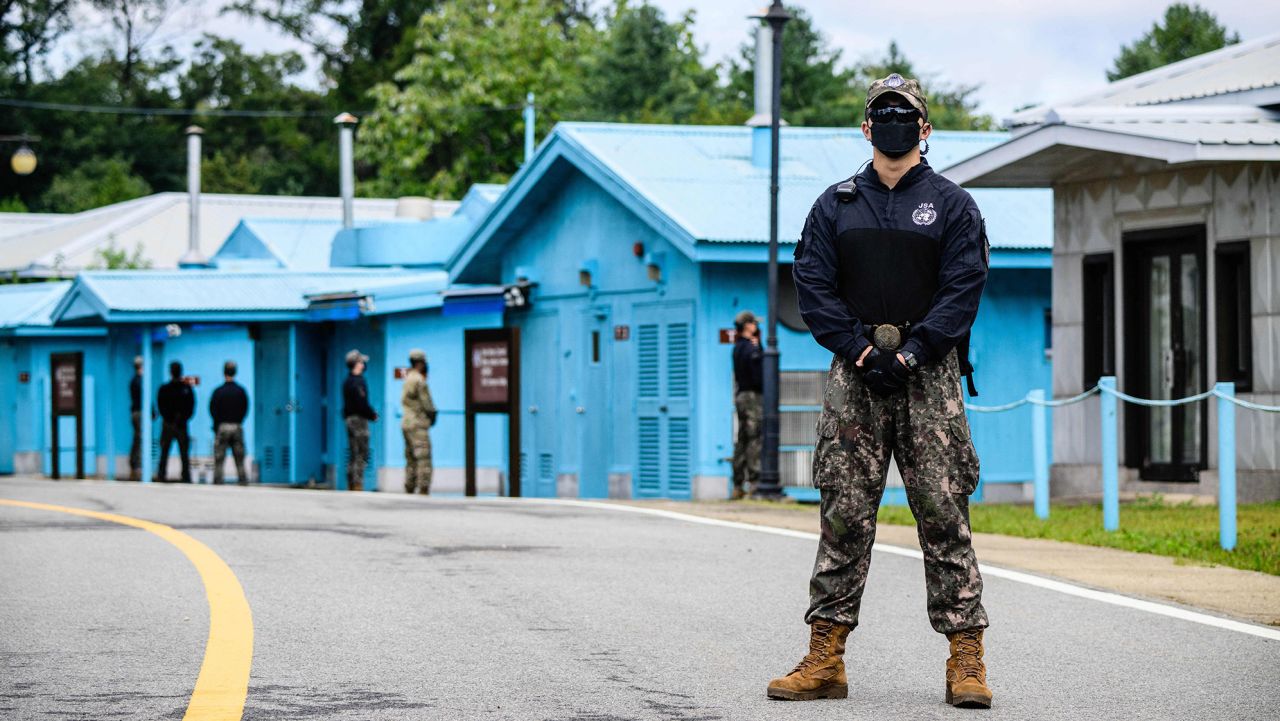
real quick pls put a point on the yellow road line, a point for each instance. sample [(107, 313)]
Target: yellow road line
[(223, 682)]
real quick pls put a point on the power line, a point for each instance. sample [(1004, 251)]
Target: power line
[(184, 112)]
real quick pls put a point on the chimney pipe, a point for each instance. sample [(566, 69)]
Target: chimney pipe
[(528, 127), (346, 123), (762, 118), (193, 256)]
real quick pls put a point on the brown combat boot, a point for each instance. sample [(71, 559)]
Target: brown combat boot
[(820, 674), (966, 673)]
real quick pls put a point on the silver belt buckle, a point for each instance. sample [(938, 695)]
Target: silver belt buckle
[(887, 337)]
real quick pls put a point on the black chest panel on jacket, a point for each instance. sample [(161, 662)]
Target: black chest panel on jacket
[(887, 275)]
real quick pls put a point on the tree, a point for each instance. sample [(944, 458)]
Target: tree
[(815, 89), (97, 182), (137, 22), (113, 258), (28, 30), (645, 69), (1187, 31), (452, 116)]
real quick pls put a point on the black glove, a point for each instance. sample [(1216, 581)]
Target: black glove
[(883, 373)]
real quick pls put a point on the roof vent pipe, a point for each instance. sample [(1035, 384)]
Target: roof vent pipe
[(346, 167), (193, 256), (763, 72)]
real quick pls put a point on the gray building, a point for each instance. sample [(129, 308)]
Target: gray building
[(1166, 263)]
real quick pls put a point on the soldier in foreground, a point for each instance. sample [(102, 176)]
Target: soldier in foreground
[(228, 406), (356, 415), (889, 270), (419, 414), (748, 376)]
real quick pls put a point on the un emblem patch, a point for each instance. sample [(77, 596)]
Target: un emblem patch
[(924, 215)]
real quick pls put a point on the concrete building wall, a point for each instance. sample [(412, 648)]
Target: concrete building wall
[(1234, 202)]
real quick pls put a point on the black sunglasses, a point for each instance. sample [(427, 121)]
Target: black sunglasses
[(894, 114)]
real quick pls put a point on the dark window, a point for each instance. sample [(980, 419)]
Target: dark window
[(1048, 332), (788, 301), (1099, 318), (595, 346), (1234, 315)]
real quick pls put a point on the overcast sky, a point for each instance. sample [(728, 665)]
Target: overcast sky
[(1018, 51)]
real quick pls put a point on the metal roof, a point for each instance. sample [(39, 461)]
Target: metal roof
[(1247, 72), (161, 296), (698, 186), (30, 304), (1082, 144), (158, 225)]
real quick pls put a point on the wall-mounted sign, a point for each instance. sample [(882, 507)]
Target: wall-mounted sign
[(24, 377), (489, 361), (191, 380), (400, 373), (728, 336), (66, 370), (66, 387), (622, 332)]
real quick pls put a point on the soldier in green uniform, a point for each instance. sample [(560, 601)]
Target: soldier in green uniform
[(889, 271), (419, 414)]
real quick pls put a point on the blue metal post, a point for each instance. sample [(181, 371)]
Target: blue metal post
[(528, 127), (144, 420), (109, 470), (291, 404), (1039, 452), (1110, 459), (1226, 465)]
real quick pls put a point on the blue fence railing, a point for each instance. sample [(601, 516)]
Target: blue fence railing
[(1108, 406)]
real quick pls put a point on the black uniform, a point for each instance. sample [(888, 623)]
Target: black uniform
[(135, 417), (912, 256), (356, 414), (177, 403), (748, 372), (228, 406), (355, 398)]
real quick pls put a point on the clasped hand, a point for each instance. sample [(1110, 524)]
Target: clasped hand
[(883, 373)]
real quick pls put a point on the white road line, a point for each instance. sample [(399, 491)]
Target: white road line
[(1070, 589)]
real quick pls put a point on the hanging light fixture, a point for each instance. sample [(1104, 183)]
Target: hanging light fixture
[(23, 161)]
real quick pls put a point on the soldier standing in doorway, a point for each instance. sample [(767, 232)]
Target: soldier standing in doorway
[(889, 270), (135, 415), (356, 415), (748, 375), (228, 407), (419, 414), (177, 403)]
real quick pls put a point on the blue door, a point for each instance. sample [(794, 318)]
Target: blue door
[(595, 403), (664, 400), (271, 405), (539, 388), (311, 414)]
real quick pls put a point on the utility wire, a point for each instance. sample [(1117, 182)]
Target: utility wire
[(212, 112)]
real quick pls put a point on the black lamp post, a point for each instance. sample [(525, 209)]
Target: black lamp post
[(769, 487)]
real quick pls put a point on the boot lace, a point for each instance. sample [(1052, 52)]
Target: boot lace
[(818, 639), (968, 655)]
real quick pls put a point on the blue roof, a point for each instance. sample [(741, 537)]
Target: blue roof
[(698, 186), (30, 304), (158, 296), (298, 244)]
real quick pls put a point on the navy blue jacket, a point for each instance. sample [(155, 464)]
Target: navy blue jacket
[(229, 404), (355, 398), (916, 253), (748, 365)]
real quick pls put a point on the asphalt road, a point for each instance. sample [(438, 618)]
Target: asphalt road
[(378, 606)]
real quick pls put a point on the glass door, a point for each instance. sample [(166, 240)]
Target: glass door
[(1167, 332)]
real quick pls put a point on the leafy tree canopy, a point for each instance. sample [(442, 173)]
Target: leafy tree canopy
[(1187, 30)]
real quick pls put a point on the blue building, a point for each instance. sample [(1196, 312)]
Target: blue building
[(636, 246), (642, 242)]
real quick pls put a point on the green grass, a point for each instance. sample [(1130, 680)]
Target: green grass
[(1184, 531)]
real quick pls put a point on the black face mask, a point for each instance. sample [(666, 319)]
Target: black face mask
[(895, 139)]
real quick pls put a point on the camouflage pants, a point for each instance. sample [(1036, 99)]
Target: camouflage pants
[(747, 450), (925, 429), (230, 435), (357, 451), (417, 460)]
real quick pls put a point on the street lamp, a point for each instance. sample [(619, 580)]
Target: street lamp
[(23, 161), (769, 487)]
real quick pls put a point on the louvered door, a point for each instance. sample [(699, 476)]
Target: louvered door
[(664, 395)]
